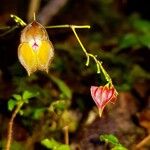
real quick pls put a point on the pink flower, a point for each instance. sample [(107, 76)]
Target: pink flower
[(103, 95)]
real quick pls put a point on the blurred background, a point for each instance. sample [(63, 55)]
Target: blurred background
[(119, 36)]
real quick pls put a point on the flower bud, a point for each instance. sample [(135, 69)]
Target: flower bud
[(103, 95)]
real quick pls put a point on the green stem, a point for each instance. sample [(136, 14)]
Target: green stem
[(73, 27), (83, 48), (96, 61), (67, 26), (88, 55), (107, 77)]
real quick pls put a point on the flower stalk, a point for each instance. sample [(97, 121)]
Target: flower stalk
[(10, 126)]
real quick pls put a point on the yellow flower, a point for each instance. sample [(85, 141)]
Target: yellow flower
[(35, 51)]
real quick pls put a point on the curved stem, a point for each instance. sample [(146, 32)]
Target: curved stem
[(18, 20), (96, 61), (88, 55), (73, 27), (10, 126), (107, 77)]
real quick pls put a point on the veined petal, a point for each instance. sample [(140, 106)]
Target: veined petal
[(103, 95), (94, 94)]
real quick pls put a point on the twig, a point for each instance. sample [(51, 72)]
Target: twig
[(143, 142), (10, 126), (8, 31), (66, 135), (88, 55)]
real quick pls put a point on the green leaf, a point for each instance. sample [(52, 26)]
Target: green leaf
[(38, 112), (50, 144), (63, 147), (62, 86), (145, 40), (54, 145), (27, 95), (17, 97), (11, 104), (128, 40), (109, 139), (141, 25), (58, 105), (119, 148), (16, 146)]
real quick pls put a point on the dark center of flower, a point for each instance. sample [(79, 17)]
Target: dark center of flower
[(35, 46)]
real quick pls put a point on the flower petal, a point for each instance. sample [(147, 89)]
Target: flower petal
[(44, 55), (93, 94), (27, 58)]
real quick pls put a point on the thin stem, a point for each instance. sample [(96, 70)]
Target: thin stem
[(4, 27), (107, 77), (10, 126), (73, 27), (96, 61), (88, 55), (66, 135), (32, 9), (10, 30), (34, 17), (67, 26), (83, 48), (58, 26), (145, 141)]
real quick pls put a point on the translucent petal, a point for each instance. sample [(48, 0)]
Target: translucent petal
[(45, 54), (27, 57)]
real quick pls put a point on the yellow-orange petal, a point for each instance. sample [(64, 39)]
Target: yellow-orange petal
[(27, 57), (44, 54)]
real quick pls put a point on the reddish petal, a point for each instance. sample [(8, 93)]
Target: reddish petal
[(113, 99), (103, 95), (110, 93), (93, 93), (98, 95)]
